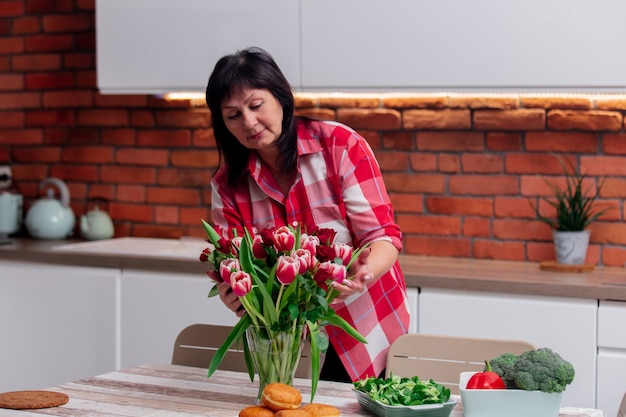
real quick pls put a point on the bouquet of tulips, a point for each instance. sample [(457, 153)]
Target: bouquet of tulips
[(282, 276)]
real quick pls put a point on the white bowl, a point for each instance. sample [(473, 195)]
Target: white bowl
[(507, 402)]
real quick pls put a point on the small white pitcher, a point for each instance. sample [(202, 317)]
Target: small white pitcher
[(10, 213)]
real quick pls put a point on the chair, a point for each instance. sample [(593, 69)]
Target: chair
[(622, 407), (196, 345), (443, 358)]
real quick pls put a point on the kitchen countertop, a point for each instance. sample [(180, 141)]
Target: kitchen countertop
[(43, 251), (513, 277), (183, 391)]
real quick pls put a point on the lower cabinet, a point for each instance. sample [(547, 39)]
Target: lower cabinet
[(156, 306), (413, 296), (63, 323), (566, 325), (611, 385), (57, 324)]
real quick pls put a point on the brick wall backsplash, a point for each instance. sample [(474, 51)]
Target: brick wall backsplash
[(461, 169)]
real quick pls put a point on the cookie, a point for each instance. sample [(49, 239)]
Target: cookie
[(30, 400)]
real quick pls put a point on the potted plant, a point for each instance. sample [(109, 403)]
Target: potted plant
[(575, 210)]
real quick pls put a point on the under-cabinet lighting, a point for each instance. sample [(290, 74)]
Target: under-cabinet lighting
[(198, 98)]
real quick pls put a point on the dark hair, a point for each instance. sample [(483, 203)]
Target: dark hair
[(250, 68)]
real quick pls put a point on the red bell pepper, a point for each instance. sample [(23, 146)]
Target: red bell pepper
[(486, 380)]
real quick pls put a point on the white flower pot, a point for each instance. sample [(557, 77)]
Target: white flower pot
[(571, 247)]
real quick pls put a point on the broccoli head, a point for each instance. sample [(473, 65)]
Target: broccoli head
[(534, 370), (503, 365), (542, 369)]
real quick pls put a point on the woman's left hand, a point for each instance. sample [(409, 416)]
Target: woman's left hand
[(358, 284)]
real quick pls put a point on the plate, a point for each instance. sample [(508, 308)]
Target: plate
[(383, 410)]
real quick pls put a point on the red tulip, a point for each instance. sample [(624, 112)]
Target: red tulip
[(204, 256), (257, 247), (327, 236), (325, 253)]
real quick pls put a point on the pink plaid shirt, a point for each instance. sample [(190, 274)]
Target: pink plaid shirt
[(338, 185)]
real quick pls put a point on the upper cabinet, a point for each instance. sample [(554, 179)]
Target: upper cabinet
[(156, 46), (159, 46)]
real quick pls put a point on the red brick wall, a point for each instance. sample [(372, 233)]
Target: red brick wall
[(460, 168)]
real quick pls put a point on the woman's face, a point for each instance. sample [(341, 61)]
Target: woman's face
[(254, 117)]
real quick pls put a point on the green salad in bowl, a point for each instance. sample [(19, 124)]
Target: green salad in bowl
[(404, 397)]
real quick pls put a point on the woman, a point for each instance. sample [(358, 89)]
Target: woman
[(276, 168)]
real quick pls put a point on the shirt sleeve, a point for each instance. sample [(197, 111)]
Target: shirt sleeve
[(368, 206), (223, 208)]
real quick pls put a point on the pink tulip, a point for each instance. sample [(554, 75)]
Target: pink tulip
[(305, 259), (241, 283), (284, 240), (286, 269), (236, 242), (328, 272), (309, 242), (227, 267), (343, 251)]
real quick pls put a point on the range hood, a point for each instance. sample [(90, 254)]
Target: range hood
[(161, 46)]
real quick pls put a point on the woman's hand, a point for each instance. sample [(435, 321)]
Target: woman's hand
[(373, 262), (230, 299), (227, 295), (361, 277)]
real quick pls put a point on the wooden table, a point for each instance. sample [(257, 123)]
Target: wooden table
[(181, 391)]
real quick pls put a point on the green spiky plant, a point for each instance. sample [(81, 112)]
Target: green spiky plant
[(575, 205)]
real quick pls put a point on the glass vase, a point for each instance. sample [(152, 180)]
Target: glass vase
[(275, 354)]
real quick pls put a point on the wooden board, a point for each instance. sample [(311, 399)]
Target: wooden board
[(557, 267)]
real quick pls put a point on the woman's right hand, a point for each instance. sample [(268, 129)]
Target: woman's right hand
[(230, 299), (227, 295)]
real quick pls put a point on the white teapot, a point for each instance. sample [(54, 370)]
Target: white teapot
[(96, 225), (50, 218)]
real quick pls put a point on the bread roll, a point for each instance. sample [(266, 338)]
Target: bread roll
[(278, 396), (321, 410), (292, 413), (256, 411)]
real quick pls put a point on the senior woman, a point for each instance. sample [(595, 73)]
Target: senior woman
[(276, 169)]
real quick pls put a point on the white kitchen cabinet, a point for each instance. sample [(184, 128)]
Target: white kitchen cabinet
[(413, 295), (566, 325), (461, 45), (57, 323), (159, 46), (156, 306), (611, 384)]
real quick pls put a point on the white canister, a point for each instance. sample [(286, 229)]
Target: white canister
[(10, 212)]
